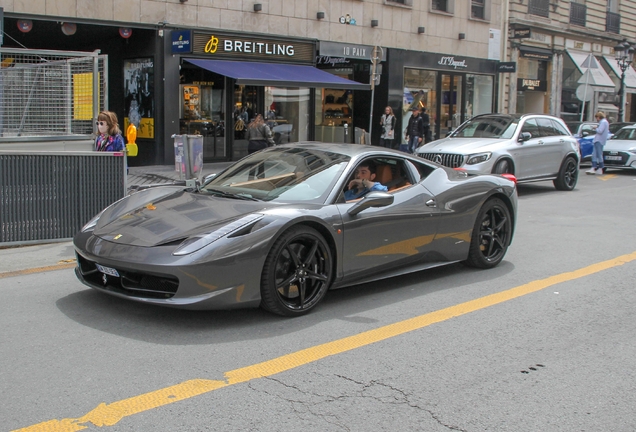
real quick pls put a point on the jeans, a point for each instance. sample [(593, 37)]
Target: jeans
[(413, 142), (597, 155)]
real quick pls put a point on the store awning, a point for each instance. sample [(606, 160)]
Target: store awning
[(593, 72), (630, 74), (277, 75)]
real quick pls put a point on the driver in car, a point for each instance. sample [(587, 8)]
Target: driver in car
[(363, 182)]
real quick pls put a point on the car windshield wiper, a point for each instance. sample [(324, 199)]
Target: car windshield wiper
[(229, 194)]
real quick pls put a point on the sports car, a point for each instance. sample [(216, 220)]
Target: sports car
[(274, 229)]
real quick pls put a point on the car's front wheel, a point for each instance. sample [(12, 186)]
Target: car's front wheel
[(504, 166), (568, 175), (491, 235), (297, 273)]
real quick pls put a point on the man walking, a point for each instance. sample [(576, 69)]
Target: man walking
[(414, 130)]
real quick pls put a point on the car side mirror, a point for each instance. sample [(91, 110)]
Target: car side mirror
[(585, 133), (372, 199), (208, 177), (524, 136)]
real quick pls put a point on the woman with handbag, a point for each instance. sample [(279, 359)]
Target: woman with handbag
[(259, 135), (388, 128)]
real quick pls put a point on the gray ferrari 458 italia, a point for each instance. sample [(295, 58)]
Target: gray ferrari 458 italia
[(275, 230)]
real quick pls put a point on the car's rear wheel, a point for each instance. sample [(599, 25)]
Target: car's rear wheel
[(491, 235), (568, 175), (504, 166), (297, 273)]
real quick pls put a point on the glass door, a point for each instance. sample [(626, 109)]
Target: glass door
[(245, 109), (450, 105)]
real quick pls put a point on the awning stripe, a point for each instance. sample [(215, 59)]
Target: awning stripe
[(592, 70), (277, 74)]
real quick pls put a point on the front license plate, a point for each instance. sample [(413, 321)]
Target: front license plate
[(107, 270), (613, 158)]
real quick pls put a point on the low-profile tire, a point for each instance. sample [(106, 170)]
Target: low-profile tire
[(491, 235), (297, 273), (504, 166), (568, 175)]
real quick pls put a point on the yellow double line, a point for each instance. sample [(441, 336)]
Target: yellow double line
[(111, 414)]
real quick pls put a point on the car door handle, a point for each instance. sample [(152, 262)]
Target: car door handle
[(431, 203), (540, 142)]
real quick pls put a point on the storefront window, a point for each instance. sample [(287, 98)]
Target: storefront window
[(531, 100), (479, 89), (202, 110), (287, 113), (334, 110), (419, 90)]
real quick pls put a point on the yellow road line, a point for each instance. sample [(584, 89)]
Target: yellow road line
[(62, 266), (111, 414)]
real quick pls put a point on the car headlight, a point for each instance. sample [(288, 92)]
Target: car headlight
[(478, 158), (91, 223), (197, 242)]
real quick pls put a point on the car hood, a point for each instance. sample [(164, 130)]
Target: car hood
[(151, 220), (619, 145), (461, 145)]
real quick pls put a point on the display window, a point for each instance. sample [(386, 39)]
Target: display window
[(420, 90), (202, 109)]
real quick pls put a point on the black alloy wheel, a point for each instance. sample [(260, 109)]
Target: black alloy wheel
[(297, 272), (503, 167), (568, 175), (491, 235)]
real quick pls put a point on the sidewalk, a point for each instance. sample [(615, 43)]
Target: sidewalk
[(164, 174)]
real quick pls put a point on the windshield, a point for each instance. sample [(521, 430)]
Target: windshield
[(487, 127), (626, 134), (281, 174)]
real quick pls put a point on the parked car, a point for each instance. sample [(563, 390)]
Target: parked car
[(274, 230), (620, 150), (533, 147), (584, 133), (616, 126)]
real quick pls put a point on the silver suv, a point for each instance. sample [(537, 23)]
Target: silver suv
[(533, 147)]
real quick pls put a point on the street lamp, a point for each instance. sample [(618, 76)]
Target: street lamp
[(624, 53)]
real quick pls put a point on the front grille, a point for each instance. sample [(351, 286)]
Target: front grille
[(130, 283), (449, 160), (623, 158)]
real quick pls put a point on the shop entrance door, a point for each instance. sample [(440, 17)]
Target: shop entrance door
[(246, 106), (451, 102)]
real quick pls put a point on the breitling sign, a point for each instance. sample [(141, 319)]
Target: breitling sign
[(243, 47)]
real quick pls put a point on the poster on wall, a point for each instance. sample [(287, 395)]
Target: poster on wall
[(139, 95)]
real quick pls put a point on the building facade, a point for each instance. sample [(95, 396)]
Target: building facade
[(564, 56), (175, 66)]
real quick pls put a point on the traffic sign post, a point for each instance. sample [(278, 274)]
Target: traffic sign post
[(376, 57)]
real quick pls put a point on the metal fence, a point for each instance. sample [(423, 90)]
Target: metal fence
[(50, 93), (51, 195)]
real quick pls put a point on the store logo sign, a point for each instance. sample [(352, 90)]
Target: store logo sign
[(181, 41), (247, 47), (450, 61)]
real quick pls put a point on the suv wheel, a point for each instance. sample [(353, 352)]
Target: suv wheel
[(568, 175), (504, 166)]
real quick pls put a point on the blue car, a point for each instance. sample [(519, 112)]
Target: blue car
[(584, 134)]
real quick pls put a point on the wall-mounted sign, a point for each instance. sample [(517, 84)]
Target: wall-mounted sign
[(531, 84), (332, 61), (181, 41), (452, 62), (503, 67), (521, 33), (346, 19), (354, 51), (535, 53), (139, 93), (256, 47)]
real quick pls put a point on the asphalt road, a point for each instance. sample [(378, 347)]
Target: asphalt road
[(544, 342)]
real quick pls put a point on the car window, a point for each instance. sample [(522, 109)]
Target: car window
[(561, 130), (532, 127), (422, 169), (588, 128), (486, 127), (626, 134), (281, 174), (546, 127)]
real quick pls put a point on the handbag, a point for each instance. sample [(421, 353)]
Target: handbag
[(390, 134)]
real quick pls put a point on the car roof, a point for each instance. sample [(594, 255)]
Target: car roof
[(516, 116), (351, 150)]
